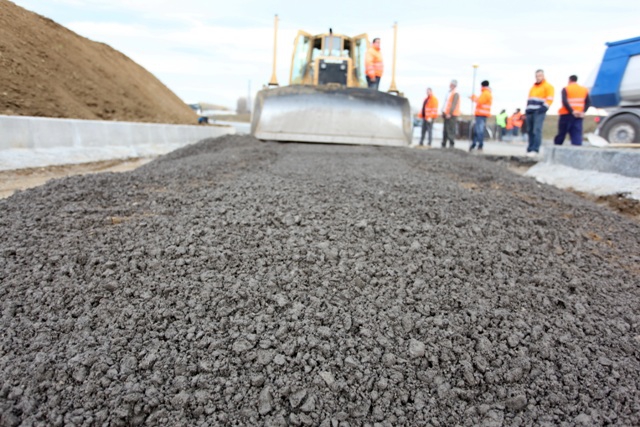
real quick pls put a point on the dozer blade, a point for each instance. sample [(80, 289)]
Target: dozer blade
[(331, 115)]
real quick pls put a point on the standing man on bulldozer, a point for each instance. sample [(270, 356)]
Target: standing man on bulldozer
[(373, 64)]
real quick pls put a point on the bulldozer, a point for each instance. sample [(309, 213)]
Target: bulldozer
[(328, 99)]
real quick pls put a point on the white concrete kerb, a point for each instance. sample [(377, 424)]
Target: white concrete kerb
[(27, 142), (584, 180)]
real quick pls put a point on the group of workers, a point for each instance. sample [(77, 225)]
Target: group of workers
[(575, 101), (510, 125)]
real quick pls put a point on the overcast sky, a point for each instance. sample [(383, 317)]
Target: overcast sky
[(213, 51)]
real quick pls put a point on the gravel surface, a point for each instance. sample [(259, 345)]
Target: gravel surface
[(21, 179), (235, 282)]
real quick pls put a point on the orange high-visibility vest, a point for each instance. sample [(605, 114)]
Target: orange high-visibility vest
[(540, 95), (447, 106), (516, 119), (576, 95), (509, 123), (373, 62), (431, 109), (483, 102)]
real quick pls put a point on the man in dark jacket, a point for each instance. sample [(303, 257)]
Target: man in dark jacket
[(575, 101)]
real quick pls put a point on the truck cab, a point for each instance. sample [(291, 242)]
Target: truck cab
[(617, 90)]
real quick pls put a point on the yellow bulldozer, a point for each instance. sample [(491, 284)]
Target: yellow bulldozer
[(327, 99)]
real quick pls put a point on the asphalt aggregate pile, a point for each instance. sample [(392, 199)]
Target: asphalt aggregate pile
[(235, 282)]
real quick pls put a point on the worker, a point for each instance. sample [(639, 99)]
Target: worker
[(540, 99), (450, 113), (516, 121), (428, 114), (483, 110), (508, 130), (575, 101), (501, 124), (373, 64)]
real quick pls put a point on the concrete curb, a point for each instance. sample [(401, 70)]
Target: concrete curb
[(610, 160), (586, 181), (37, 141)]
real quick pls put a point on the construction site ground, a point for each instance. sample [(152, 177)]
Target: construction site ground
[(21, 179), (508, 154), (236, 282)]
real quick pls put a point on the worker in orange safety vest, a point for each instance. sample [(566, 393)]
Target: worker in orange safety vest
[(373, 64), (428, 114), (540, 99), (450, 113), (517, 121), (575, 101), (482, 111), (509, 128)]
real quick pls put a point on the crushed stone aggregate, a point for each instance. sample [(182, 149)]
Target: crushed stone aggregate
[(235, 282)]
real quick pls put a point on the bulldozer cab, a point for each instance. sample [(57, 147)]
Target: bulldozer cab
[(329, 60)]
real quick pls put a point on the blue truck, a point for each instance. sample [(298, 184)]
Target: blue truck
[(617, 90)]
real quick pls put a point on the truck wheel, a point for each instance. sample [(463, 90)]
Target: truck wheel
[(622, 129)]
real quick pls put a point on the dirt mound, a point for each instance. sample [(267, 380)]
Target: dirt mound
[(47, 70)]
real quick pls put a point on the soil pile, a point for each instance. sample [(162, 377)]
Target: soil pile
[(235, 282), (47, 70)]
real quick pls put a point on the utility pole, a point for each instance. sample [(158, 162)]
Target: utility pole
[(274, 79), (473, 94), (393, 88), (249, 98)]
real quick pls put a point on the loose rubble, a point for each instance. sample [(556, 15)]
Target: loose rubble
[(235, 282)]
